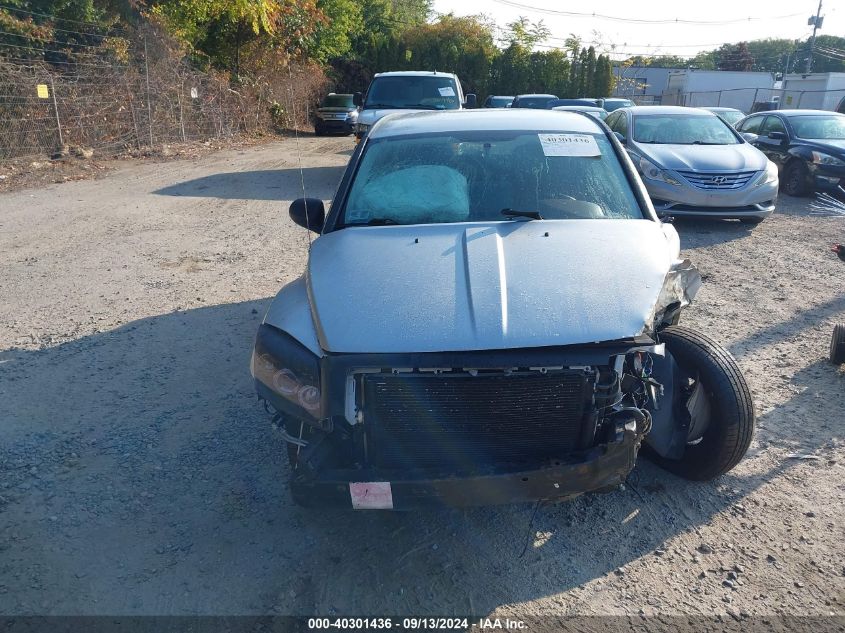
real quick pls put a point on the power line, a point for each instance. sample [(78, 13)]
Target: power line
[(602, 16)]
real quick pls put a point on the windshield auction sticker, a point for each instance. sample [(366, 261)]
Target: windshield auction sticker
[(569, 145), (446, 91)]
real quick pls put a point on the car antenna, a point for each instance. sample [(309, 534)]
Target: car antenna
[(298, 152)]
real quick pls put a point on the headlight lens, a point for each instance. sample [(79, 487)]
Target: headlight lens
[(820, 158), (770, 175), (289, 370), (653, 172)]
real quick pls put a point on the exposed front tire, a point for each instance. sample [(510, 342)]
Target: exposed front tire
[(796, 179), (729, 425), (837, 345)]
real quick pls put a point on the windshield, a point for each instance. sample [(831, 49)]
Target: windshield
[(421, 92), (614, 104), (821, 126), (538, 103), (499, 102), (338, 101), (682, 129), (731, 117), (475, 176)]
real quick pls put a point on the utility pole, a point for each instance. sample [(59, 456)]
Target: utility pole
[(816, 21)]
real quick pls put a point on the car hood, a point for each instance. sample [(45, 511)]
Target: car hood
[(826, 144), (368, 117), (740, 157), (476, 286)]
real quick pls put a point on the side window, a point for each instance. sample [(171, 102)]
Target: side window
[(751, 125), (841, 108), (611, 121), (772, 124)]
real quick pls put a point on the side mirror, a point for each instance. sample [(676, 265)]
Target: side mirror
[(619, 137), (777, 136), (750, 137), (471, 101), (309, 213), (358, 99)]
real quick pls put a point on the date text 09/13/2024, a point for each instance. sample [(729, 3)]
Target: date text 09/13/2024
[(416, 624)]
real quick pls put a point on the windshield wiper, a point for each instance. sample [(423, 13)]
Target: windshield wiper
[(529, 215), (380, 105), (374, 222), (417, 106)]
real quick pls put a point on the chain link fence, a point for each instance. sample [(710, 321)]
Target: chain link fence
[(152, 98)]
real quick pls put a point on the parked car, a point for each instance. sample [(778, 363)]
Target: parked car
[(337, 113), (409, 91), (808, 147), (498, 101), (614, 103), (693, 163), (728, 115), (507, 335), (599, 113), (533, 101), (592, 103)]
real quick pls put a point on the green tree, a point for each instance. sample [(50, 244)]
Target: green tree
[(734, 57), (334, 36)]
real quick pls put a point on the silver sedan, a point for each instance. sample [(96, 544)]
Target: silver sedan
[(693, 163)]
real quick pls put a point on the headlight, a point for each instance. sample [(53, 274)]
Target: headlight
[(289, 371), (820, 158), (653, 172), (770, 175)]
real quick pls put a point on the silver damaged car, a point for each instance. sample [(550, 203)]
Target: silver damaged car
[(490, 315), (693, 163)]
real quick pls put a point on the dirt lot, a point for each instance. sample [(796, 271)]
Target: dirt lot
[(138, 474)]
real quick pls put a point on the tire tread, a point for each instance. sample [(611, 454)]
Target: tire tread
[(739, 417)]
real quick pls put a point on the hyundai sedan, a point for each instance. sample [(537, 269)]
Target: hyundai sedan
[(693, 163)]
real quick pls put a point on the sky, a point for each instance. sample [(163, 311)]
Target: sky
[(647, 37)]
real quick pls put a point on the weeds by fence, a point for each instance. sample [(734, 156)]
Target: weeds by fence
[(152, 96)]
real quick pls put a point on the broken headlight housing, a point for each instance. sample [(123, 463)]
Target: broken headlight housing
[(289, 371)]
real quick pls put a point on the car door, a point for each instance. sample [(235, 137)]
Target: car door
[(773, 140)]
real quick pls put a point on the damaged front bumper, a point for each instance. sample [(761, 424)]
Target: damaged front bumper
[(599, 468)]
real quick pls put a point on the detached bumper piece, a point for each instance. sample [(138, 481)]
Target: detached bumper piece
[(601, 467)]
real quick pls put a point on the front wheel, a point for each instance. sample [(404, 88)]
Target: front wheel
[(796, 179), (723, 437)]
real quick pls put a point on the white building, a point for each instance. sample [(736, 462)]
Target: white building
[(820, 91), (727, 88)]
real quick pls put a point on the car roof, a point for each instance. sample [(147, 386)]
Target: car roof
[(795, 112), (483, 120), (667, 110), (526, 96), (501, 97), (578, 108), (413, 73), (718, 109)]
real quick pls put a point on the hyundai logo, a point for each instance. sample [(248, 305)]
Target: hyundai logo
[(719, 180)]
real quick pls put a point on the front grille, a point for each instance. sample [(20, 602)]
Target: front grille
[(718, 181), (459, 422)]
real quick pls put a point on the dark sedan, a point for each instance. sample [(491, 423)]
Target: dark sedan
[(808, 146), (535, 101)]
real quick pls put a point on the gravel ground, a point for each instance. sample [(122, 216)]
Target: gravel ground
[(138, 474)]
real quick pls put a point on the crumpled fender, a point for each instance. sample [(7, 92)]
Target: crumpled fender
[(290, 311), (680, 286)]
